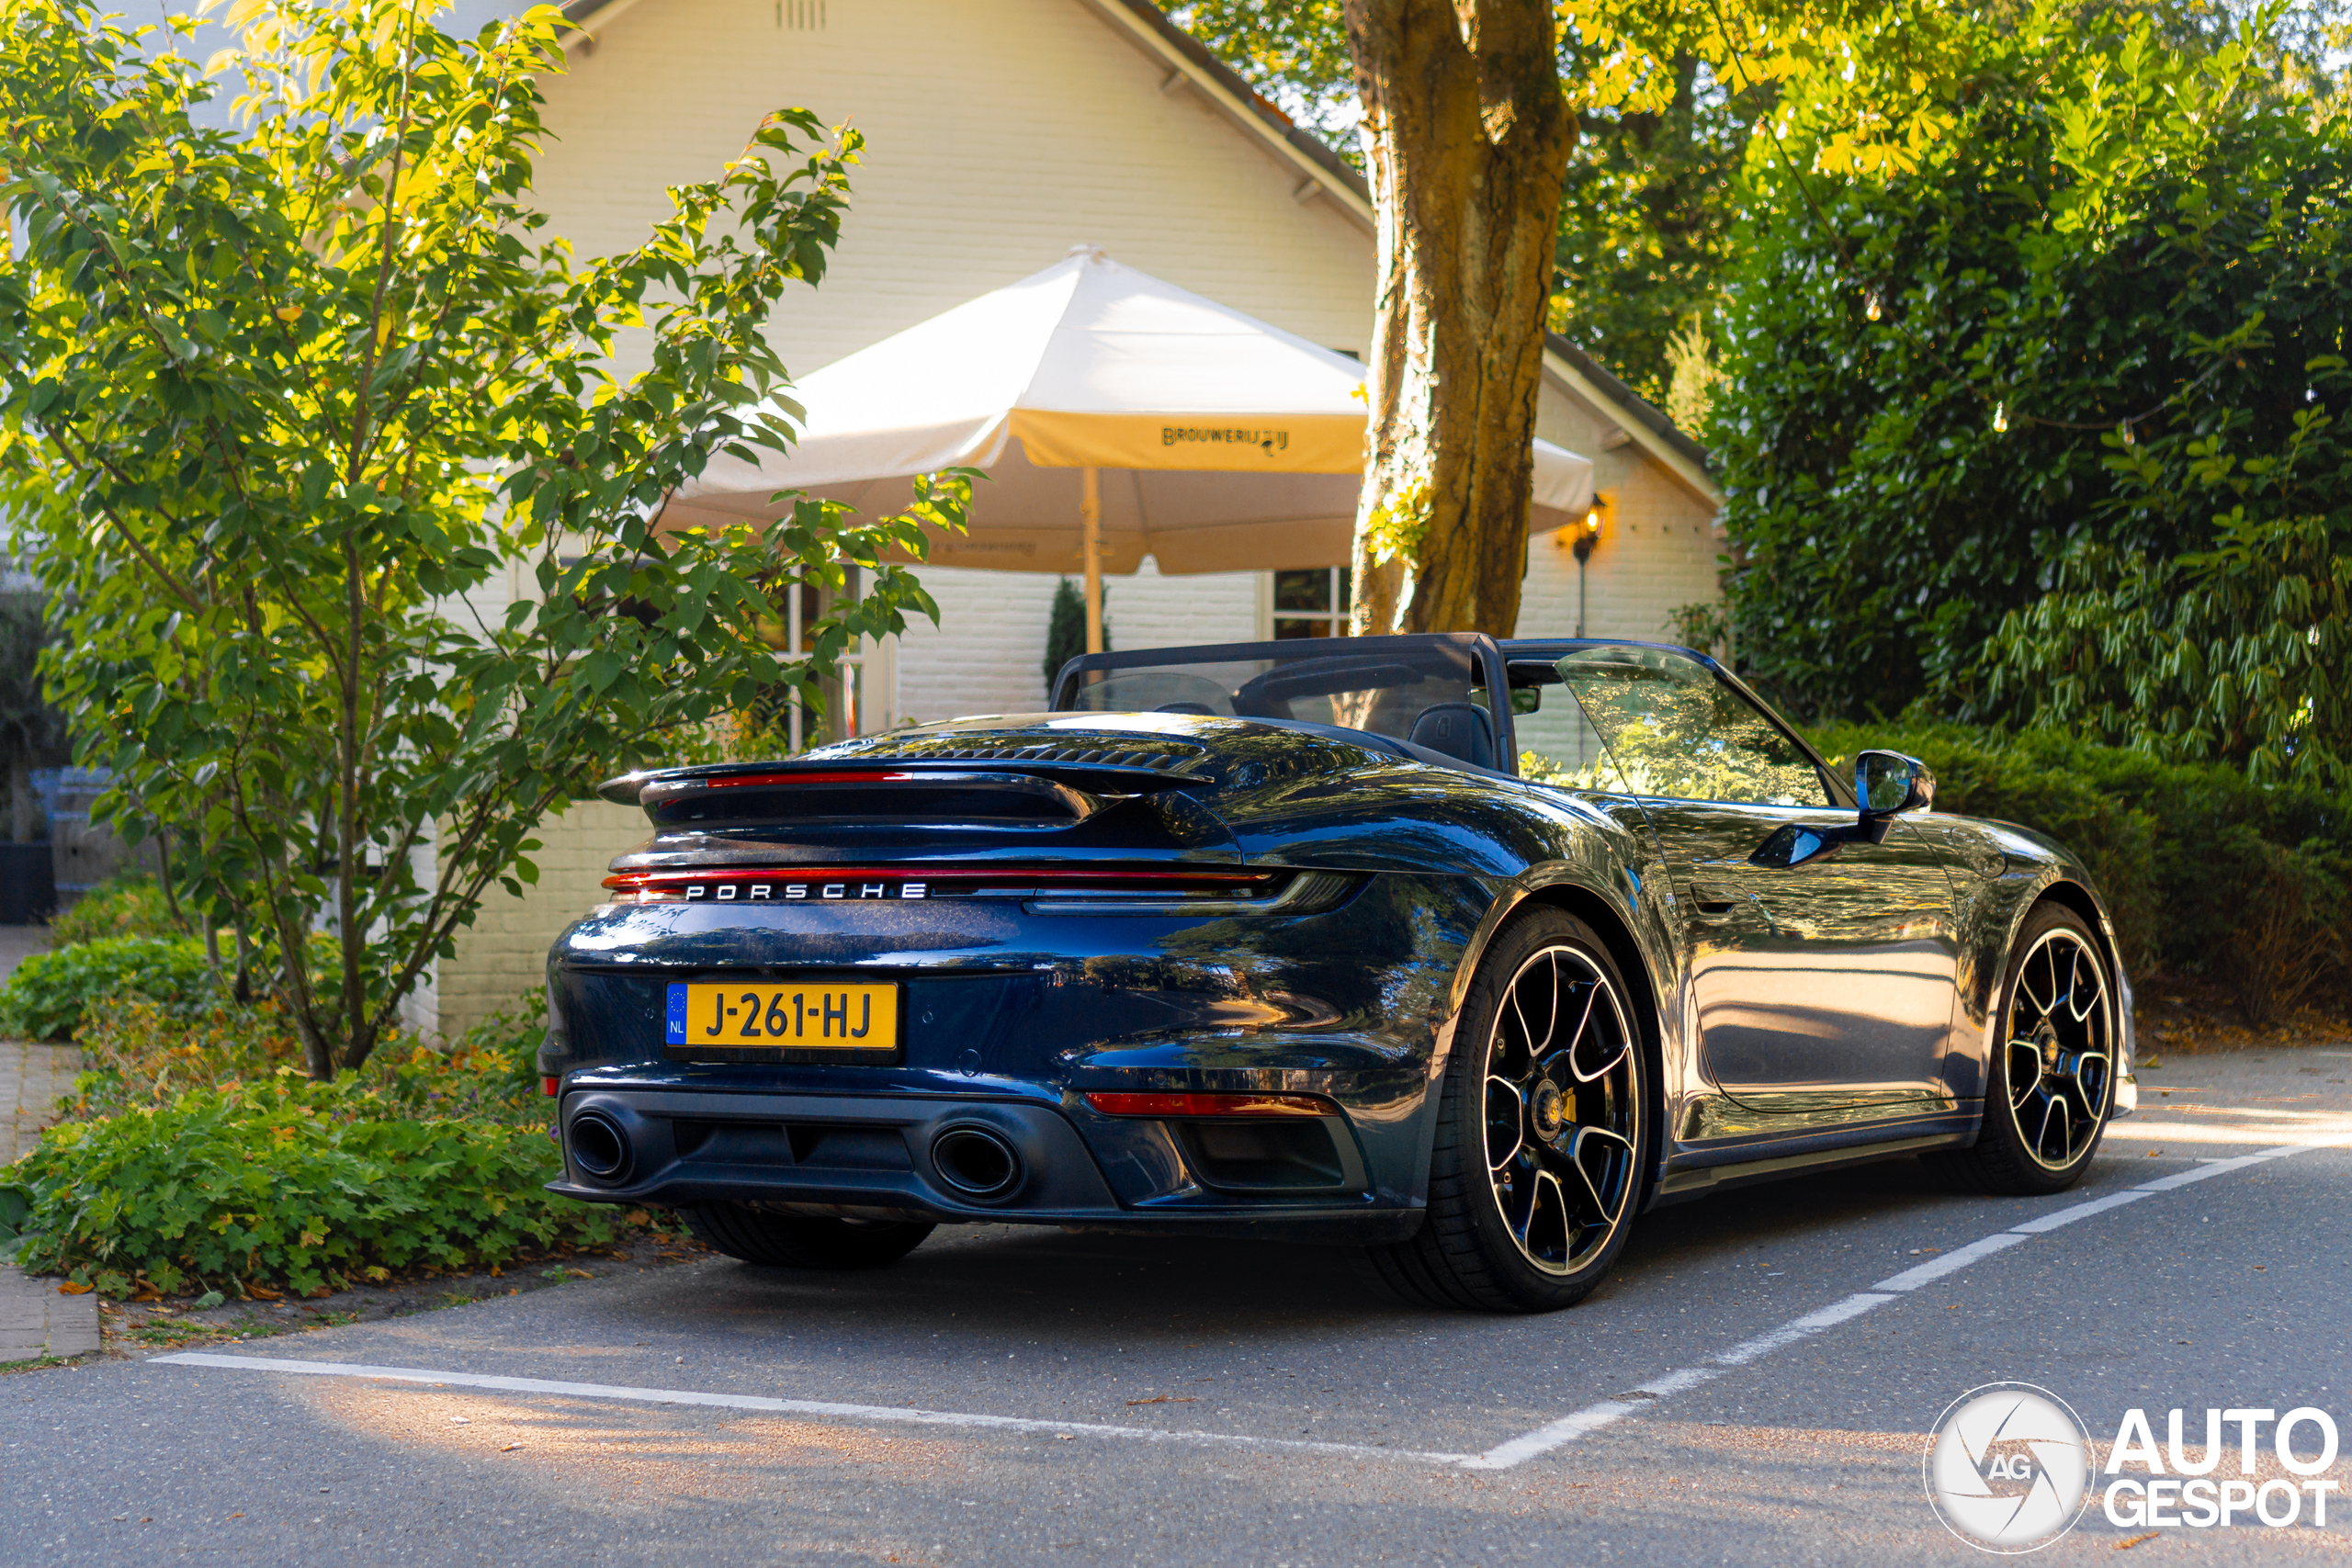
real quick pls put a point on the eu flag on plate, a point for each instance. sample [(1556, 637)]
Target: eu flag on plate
[(677, 1035)]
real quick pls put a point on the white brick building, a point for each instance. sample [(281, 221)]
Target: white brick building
[(1000, 134)]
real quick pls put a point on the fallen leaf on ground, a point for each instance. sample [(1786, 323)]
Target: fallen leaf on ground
[(1167, 1399), (2130, 1541), (71, 1288)]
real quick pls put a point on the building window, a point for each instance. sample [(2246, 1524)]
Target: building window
[(1311, 604)]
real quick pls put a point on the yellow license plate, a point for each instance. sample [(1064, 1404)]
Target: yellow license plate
[(799, 1016)]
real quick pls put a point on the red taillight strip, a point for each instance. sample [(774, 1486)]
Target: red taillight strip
[(1208, 1104), (747, 781), (1008, 875)]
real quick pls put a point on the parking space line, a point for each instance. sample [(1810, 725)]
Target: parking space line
[(1952, 1262), (2051, 1222), (1804, 1327), (1544, 1439), (1593, 1417), (779, 1406)]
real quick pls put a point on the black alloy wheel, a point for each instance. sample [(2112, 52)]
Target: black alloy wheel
[(2050, 1083), (1536, 1170), (801, 1241)]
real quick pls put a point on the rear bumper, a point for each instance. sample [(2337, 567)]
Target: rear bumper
[(878, 1154)]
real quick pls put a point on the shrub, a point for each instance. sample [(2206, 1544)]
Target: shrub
[(141, 1054), (51, 993), (287, 1184), (490, 1073), (127, 906), (2203, 872), (2051, 430)]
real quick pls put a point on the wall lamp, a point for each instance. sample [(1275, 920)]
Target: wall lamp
[(1583, 537)]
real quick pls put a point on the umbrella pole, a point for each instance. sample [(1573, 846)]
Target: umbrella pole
[(1089, 512)]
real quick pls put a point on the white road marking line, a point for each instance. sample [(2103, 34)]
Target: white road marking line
[(1593, 1417), (1952, 1262), (1503, 1456), (2223, 1166), (2051, 1222), (1544, 1439), (1673, 1383), (781, 1407), (1804, 1327)]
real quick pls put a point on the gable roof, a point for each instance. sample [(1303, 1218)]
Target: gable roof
[(1325, 176)]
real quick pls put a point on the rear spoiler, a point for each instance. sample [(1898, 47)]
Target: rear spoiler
[(1094, 778)]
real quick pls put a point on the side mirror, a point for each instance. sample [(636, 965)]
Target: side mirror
[(1526, 700), (1886, 783)]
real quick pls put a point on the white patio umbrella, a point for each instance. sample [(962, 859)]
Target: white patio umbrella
[(1116, 416)]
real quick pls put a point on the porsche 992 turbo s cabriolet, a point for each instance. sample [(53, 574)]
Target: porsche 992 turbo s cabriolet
[(1462, 952)]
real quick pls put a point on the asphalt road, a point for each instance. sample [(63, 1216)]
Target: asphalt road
[(1723, 1399)]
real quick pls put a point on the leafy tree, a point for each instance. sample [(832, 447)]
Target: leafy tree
[(1466, 138), (1645, 226), (323, 442), (1295, 51), (2093, 345), (1645, 231), (1466, 130)]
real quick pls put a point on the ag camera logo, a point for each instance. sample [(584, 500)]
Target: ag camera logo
[(2008, 1467)]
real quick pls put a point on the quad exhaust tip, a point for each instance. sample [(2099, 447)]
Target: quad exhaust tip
[(977, 1162), (599, 1146)]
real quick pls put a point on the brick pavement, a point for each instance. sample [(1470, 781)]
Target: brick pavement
[(32, 1079)]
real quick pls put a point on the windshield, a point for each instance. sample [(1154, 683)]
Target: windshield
[(1673, 728), (1429, 691)]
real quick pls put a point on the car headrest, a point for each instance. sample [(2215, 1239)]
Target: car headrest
[(1458, 729)]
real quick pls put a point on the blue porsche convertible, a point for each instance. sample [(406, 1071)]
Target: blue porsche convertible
[(1463, 952)]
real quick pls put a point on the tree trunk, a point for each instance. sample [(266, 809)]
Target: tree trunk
[(1467, 137)]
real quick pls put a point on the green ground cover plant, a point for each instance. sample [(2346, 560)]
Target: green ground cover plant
[(197, 1157), (51, 994), (287, 1184), (126, 906)]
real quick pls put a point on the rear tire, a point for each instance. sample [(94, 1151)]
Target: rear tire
[(2058, 1025), (1535, 1171), (801, 1241)]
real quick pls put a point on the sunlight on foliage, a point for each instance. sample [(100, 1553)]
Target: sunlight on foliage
[(350, 478)]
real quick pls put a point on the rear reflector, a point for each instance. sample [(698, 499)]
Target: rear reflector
[(1209, 1105), (549, 1087)]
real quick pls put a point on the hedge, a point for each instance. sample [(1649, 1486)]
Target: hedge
[(2203, 873)]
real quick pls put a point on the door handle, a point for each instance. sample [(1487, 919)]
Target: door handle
[(1713, 902)]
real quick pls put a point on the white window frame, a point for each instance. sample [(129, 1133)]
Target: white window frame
[(1335, 618)]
